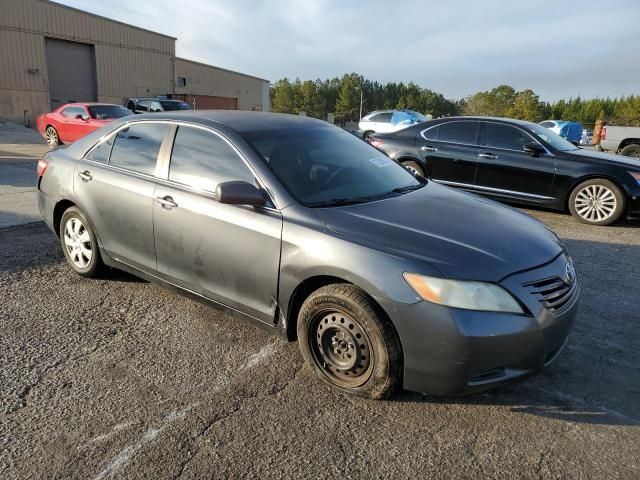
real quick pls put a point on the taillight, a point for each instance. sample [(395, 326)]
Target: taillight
[(603, 133), (42, 166), (374, 142)]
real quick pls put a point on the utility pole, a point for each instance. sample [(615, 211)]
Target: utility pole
[(361, 102)]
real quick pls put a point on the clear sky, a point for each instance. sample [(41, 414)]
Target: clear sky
[(558, 48)]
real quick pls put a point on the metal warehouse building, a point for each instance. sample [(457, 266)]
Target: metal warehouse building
[(52, 54)]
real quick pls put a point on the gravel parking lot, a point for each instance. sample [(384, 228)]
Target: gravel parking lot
[(118, 378)]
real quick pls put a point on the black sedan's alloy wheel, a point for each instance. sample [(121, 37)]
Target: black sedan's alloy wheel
[(348, 342), (597, 202)]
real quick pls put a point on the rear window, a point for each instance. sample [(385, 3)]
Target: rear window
[(169, 106), (136, 147), (459, 132)]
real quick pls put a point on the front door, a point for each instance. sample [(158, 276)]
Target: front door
[(227, 253), (505, 169), (450, 152), (115, 187)]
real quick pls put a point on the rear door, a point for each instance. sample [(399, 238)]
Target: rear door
[(382, 122), (227, 253), (450, 151), (505, 169), (115, 185)]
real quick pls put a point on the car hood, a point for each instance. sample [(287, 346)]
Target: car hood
[(463, 236), (608, 157)]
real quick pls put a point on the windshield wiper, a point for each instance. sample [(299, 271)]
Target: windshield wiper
[(407, 188), (337, 202)]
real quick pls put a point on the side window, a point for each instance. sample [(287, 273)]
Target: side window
[(401, 118), (136, 147), (459, 132), (131, 105), (383, 117), (100, 153), (143, 105), (155, 107), (201, 159), (73, 112), (547, 124), (432, 133), (506, 136)]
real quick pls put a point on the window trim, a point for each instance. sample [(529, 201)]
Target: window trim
[(161, 175), (512, 149)]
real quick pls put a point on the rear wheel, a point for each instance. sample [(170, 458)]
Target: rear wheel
[(349, 343), (414, 167), (51, 136), (632, 150), (79, 243), (367, 134), (597, 202)]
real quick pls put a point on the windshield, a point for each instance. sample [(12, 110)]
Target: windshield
[(323, 166), (108, 112), (553, 139), (168, 106)]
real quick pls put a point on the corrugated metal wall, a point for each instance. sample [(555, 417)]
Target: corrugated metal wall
[(208, 80), (129, 61)]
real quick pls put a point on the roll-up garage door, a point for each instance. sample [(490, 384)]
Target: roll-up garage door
[(72, 72)]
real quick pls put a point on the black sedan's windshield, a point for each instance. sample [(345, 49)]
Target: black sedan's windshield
[(552, 138), (325, 166), (108, 112)]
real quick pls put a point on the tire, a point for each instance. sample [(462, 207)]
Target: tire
[(349, 343), (632, 150), (414, 167), (597, 202), (367, 134), (52, 137), (79, 244)]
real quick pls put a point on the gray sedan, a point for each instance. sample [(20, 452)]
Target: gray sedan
[(387, 280)]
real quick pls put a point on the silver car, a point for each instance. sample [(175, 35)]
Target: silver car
[(386, 279)]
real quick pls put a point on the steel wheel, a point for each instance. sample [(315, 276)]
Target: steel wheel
[(595, 203), (51, 136), (77, 242), (341, 348)]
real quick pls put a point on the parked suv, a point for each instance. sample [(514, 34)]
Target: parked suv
[(153, 105), (387, 121)]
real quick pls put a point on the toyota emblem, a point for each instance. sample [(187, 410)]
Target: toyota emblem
[(571, 272)]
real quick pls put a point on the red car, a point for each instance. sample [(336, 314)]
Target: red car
[(72, 121)]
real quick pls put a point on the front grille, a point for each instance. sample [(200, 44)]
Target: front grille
[(553, 292)]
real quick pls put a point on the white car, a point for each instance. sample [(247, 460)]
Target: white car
[(387, 121)]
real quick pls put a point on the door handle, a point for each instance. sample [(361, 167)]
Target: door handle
[(86, 175), (428, 149), (488, 156), (166, 202)]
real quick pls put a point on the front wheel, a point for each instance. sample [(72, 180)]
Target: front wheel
[(597, 202), (79, 243), (349, 343)]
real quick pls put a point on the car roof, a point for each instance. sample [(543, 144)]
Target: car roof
[(523, 123), (89, 104), (238, 120)]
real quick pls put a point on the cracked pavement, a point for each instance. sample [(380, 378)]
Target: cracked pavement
[(119, 378)]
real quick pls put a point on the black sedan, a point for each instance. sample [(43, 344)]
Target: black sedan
[(519, 162)]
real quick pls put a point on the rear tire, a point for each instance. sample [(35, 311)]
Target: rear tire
[(79, 243), (414, 167), (52, 137), (632, 150), (597, 202), (367, 134), (349, 343)]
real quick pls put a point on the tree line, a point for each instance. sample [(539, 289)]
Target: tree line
[(341, 96)]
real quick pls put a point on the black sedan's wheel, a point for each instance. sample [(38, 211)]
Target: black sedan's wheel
[(597, 202), (79, 243), (632, 150), (414, 167), (349, 343), (51, 136)]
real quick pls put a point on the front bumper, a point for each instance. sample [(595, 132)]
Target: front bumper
[(450, 351)]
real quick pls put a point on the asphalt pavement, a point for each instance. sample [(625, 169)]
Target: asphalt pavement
[(119, 378)]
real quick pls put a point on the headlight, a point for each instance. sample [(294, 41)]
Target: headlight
[(635, 175), (462, 294)]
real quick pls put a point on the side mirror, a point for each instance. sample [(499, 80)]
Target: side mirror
[(239, 193), (81, 117), (534, 148)]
